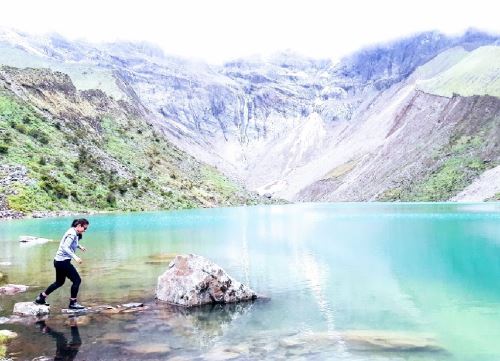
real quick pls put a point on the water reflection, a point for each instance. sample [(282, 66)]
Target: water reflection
[(65, 350), (200, 326)]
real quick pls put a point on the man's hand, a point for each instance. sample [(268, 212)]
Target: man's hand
[(82, 248), (78, 260)]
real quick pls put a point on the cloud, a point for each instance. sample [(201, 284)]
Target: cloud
[(219, 30)]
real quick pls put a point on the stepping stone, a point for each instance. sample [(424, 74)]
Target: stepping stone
[(132, 305), (106, 309), (30, 309), (77, 312)]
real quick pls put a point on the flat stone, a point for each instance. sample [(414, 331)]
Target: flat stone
[(132, 305), (4, 320), (30, 309), (70, 311), (110, 311), (11, 289)]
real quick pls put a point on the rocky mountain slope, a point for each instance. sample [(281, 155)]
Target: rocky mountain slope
[(65, 149), (414, 119)]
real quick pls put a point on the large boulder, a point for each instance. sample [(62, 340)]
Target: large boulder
[(30, 309), (192, 280)]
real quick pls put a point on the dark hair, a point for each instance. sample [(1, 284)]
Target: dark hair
[(81, 221)]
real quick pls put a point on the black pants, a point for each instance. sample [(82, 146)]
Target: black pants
[(65, 269)]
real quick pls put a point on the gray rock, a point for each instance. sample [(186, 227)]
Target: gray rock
[(11, 289), (192, 280), (30, 309), (32, 240)]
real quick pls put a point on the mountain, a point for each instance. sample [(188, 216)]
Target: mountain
[(81, 150), (413, 119)]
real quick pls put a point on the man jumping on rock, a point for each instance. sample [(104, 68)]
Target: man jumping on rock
[(62, 264)]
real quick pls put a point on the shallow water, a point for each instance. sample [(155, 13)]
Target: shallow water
[(349, 281)]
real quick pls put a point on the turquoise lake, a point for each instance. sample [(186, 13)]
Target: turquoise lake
[(349, 281)]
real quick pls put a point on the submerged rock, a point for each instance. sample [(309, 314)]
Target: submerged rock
[(107, 309), (12, 289), (192, 280), (389, 341), (161, 258), (32, 240), (365, 340), (220, 354), (30, 309), (149, 348)]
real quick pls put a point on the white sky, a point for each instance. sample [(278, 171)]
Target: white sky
[(218, 30)]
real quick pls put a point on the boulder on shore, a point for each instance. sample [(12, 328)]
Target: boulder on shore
[(30, 309), (192, 280), (11, 289)]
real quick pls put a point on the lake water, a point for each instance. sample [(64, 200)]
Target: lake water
[(350, 281)]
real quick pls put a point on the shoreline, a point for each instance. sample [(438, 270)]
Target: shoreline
[(7, 215), (15, 215)]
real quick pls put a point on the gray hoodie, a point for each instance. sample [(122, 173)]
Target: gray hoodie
[(68, 245)]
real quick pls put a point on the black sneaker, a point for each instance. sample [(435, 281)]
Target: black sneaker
[(40, 300), (76, 306)]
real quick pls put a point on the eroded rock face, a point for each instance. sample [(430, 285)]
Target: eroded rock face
[(30, 309), (192, 280)]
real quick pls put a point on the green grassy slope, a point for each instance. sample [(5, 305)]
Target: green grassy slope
[(120, 163), (478, 73)]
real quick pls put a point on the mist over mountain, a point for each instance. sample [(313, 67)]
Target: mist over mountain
[(413, 119)]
